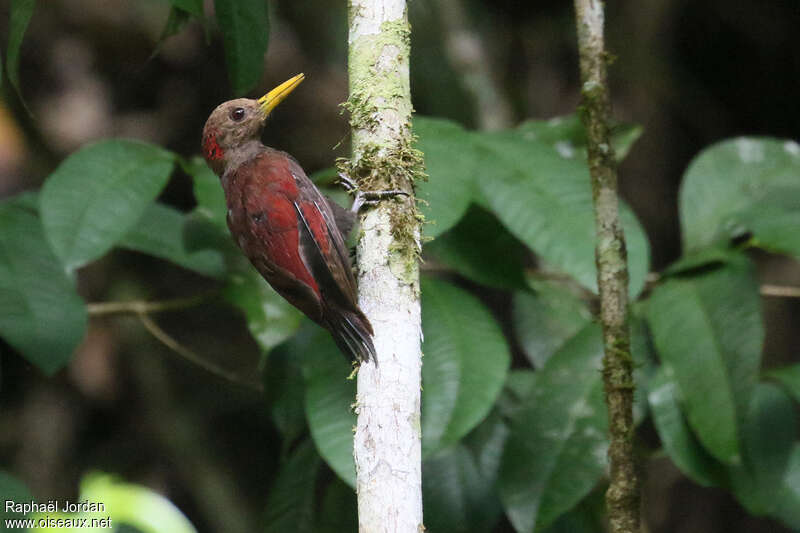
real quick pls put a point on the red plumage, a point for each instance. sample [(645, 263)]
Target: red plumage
[(285, 226)]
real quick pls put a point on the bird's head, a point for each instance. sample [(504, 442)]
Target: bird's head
[(233, 123)]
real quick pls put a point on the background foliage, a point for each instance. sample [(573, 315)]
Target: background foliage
[(514, 425)]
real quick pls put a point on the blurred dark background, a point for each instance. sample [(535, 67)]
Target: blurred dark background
[(690, 73)]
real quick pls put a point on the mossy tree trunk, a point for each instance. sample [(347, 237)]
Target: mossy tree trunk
[(387, 439), (622, 497)]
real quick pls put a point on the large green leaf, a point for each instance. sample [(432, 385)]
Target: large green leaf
[(339, 511), (545, 200), (97, 195), (160, 233), (768, 436), (284, 390), (568, 136), (206, 226), (450, 160), (127, 506), (270, 318), (207, 190), (290, 506), (678, 440), (456, 496), (787, 507), (13, 490), (20, 16), (741, 185), (542, 197), (245, 34), (708, 329), (556, 451), (789, 377), (177, 19), (41, 314), (459, 483), (466, 361), (195, 7), (481, 249), (589, 516), (545, 318), (328, 400)]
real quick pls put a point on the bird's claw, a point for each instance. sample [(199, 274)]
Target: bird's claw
[(363, 198)]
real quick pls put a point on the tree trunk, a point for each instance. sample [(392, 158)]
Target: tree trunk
[(387, 438), (622, 497)]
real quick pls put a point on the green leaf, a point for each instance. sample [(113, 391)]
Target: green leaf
[(713, 256), (13, 490), (201, 232), (284, 390), (20, 16), (194, 7), (743, 185), (245, 34), (207, 190), (546, 318), (41, 314), (708, 329), (98, 194), (466, 362), (450, 159), (589, 516), (543, 198), (789, 378), (25, 200), (125, 504), (768, 436), (456, 497), (787, 507), (678, 441), (290, 506), (567, 135), (339, 510), (329, 395), (176, 21), (459, 483), (160, 233), (481, 249), (556, 451), (546, 202), (270, 318)]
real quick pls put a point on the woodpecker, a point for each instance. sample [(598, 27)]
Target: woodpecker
[(292, 234)]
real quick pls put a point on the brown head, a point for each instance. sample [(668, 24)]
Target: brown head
[(236, 123)]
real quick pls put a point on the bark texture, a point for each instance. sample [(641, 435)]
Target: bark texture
[(622, 497), (387, 439)]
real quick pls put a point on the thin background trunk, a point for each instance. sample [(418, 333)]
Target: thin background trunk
[(622, 497), (387, 439)]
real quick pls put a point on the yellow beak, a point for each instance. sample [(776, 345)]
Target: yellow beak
[(270, 100)]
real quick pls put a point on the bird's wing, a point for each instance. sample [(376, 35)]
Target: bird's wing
[(327, 255)]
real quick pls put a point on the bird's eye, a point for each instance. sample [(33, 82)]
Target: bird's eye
[(237, 114)]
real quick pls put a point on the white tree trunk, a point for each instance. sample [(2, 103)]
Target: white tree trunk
[(387, 440)]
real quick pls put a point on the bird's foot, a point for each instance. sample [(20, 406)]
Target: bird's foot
[(363, 198)]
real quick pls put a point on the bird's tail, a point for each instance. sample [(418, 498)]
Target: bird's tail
[(353, 335)]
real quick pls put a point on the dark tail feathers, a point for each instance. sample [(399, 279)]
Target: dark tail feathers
[(353, 335)]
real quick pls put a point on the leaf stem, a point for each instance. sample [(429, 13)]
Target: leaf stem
[(142, 309), (780, 291), (168, 341), (144, 306), (622, 497)]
